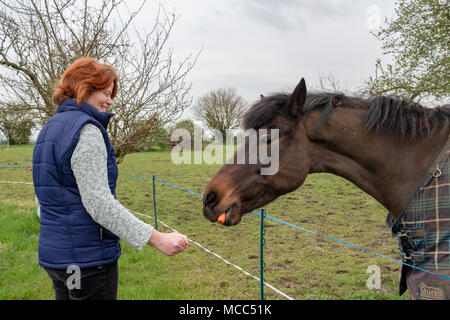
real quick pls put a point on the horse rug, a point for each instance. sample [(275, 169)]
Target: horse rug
[(423, 234)]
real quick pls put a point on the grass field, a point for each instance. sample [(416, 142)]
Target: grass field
[(300, 264)]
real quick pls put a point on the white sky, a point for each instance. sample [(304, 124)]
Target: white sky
[(266, 46)]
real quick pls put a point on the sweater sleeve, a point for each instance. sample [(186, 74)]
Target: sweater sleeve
[(89, 166), (38, 207)]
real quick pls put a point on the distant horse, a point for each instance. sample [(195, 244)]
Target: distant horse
[(384, 145)]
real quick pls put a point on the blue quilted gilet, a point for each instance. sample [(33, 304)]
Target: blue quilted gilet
[(68, 234)]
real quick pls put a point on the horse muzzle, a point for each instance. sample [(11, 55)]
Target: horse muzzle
[(212, 212)]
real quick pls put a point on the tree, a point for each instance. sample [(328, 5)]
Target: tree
[(329, 83), (419, 40), (194, 131), (220, 109), (187, 125), (39, 39), (16, 124)]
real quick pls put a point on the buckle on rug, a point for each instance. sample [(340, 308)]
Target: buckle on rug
[(412, 257), (410, 234), (437, 173)]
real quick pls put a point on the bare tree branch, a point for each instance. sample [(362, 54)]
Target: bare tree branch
[(39, 39)]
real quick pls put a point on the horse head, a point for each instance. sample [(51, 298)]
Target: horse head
[(238, 188)]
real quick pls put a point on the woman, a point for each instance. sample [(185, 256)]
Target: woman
[(75, 174)]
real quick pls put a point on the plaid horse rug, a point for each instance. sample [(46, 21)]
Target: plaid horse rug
[(423, 234)]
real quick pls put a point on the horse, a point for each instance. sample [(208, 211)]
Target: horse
[(384, 145)]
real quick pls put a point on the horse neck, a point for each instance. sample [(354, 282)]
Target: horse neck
[(387, 167)]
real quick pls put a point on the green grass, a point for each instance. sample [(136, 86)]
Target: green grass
[(301, 264), (20, 277)]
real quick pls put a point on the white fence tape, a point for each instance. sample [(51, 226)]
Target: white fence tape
[(197, 244), (16, 182), (219, 257)]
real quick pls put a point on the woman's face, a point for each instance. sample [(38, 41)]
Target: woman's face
[(101, 99)]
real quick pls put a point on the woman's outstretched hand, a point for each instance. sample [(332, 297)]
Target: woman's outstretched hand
[(168, 243)]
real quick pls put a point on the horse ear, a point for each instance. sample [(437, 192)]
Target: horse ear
[(262, 97), (297, 99)]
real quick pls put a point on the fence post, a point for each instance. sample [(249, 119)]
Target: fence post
[(154, 202), (262, 264)]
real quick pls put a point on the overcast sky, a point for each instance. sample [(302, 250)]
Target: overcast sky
[(266, 46)]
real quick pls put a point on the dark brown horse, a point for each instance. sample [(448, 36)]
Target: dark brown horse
[(383, 145)]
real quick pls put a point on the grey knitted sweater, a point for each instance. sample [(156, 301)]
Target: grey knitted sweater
[(89, 166)]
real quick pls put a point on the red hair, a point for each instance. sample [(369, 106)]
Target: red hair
[(82, 78)]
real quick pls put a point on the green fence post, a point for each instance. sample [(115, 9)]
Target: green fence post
[(154, 202), (262, 264)]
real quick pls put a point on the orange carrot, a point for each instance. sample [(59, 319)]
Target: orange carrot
[(221, 218)]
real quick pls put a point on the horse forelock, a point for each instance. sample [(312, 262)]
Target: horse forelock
[(264, 111)]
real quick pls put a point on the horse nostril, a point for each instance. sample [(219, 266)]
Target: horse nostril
[(211, 199)]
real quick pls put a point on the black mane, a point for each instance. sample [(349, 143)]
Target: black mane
[(385, 114), (393, 115)]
